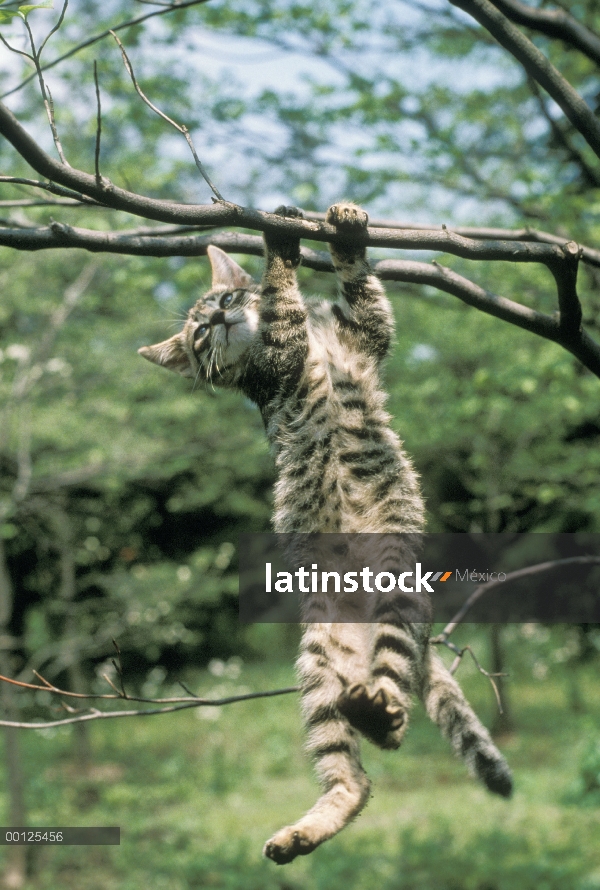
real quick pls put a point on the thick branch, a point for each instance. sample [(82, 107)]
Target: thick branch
[(589, 175), (487, 233), (565, 330), (537, 66), (557, 23)]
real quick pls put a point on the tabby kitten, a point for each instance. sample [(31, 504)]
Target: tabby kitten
[(313, 371)]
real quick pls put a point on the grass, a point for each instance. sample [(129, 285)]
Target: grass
[(196, 795)]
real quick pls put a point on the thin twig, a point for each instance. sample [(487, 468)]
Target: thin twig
[(511, 576), (47, 98), (459, 654), (76, 197), (121, 696), (98, 126), (31, 202), (55, 28), (19, 52), (91, 40), (179, 127), (171, 704), (108, 715), (118, 666)]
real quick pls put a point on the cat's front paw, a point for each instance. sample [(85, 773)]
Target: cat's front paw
[(280, 244), (293, 212), (347, 216)]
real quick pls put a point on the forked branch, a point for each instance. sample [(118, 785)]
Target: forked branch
[(556, 23), (179, 127), (537, 66), (170, 7)]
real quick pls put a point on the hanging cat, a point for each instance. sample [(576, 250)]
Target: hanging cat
[(314, 372)]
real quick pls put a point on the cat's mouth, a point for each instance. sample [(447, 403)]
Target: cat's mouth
[(228, 342)]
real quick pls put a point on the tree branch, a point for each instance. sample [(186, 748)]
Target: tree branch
[(75, 197), (564, 330), (172, 7), (170, 705), (459, 656), (590, 176), (179, 127), (46, 96), (482, 589), (98, 126), (557, 23), (537, 66)]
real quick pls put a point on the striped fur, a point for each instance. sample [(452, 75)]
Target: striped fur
[(313, 370)]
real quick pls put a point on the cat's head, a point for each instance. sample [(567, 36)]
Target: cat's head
[(218, 330)]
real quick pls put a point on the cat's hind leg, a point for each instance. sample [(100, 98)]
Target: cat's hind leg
[(330, 655), (379, 708), (446, 705)]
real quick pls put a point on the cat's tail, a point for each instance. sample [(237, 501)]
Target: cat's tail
[(448, 708)]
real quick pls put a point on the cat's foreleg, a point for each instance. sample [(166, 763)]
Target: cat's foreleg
[(363, 309), (330, 653), (283, 339)]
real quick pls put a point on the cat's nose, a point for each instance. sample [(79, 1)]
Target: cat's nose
[(218, 318)]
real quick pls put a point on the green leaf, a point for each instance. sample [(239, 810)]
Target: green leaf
[(7, 15), (25, 10)]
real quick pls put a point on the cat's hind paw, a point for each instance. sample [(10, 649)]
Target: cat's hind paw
[(374, 713), (347, 216), (288, 843)]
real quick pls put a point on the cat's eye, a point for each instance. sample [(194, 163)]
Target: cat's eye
[(226, 301), (200, 331)]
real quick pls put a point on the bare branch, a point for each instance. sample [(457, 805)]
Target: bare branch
[(76, 198), (170, 705), (589, 174), (564, 330), (557, 23), (47, 98), (537, 66), (482, 589), (588, 254), (55, 28), (91, 40), (179, 127), (31, 202), (459, 655)]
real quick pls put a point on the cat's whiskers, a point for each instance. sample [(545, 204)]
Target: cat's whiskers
[(197, 377)]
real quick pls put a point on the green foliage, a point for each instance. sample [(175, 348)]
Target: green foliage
[(11, 9)]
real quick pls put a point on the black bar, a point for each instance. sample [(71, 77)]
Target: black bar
[(59, 836)]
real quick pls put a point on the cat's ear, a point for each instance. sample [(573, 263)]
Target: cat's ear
[(170, 354), (226, 271)]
